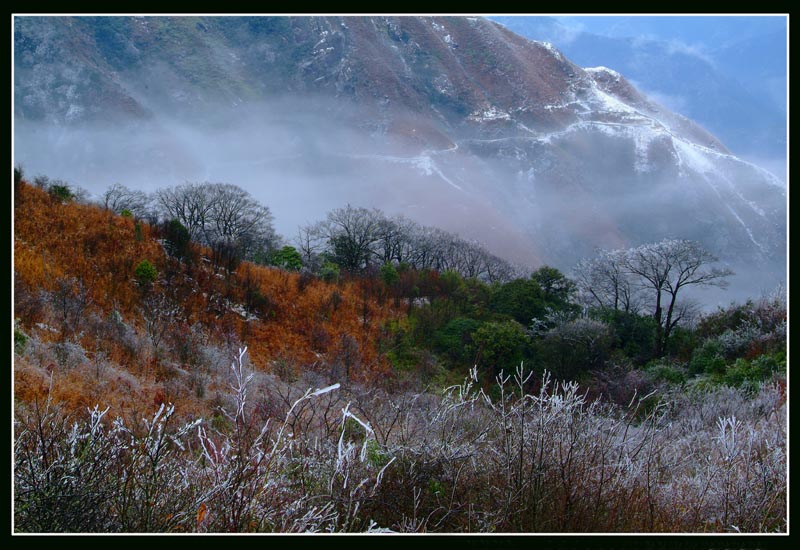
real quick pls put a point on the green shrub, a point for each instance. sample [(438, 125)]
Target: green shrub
[(389, 274), (376, 456), (19, 174), (287, 258), (330, 272), (176, 238), (520, 299), (708, 359), (661, 372), (633, 333), (20, 339), (126, 213), (455, 339), (61, 192), (500, 345), (744, 372), (146, 273)]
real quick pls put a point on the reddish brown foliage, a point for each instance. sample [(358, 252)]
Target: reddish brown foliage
[(287, 320)]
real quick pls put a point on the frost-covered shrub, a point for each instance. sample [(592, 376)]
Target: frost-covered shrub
[(735, 342), (749, 329), (540, 457), (69, 354)]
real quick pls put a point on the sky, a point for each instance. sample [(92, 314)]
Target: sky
[(703, 31)]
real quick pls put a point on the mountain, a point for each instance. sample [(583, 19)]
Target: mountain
[(453, 121), (726, 73)]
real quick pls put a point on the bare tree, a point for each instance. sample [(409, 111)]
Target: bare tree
[(394, 236), (190, 204), (665, 268), (238, 222), (499, 270), (310, 244), (118, 198), (70, 300), (605, 282), (351, 233), (354, 237), (159, 312), (222, 216)]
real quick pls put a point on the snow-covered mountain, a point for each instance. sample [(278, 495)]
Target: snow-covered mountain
[(454, 121), (726, 73)]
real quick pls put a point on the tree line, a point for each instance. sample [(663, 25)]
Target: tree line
[(234, 225), (368, 242)]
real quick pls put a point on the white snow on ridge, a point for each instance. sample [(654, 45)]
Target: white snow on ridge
[(695, 154), (607, 102), (694, 157), (602, 69), (424, 163), (549, 47), (428, 167)]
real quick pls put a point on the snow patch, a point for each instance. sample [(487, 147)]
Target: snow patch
[(609, 103), (492, 113), (602, 69), (753, 206), (45, 327), (242, 312), (550, 48), (690, 156), (323, 51), (74, 112), (426, 165)]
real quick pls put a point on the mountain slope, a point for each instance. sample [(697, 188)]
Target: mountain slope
[(736, 90), (454, 121)]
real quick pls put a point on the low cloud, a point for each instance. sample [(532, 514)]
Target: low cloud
[(672, 102)]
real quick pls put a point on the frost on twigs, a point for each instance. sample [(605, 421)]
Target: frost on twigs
[(533, 454)]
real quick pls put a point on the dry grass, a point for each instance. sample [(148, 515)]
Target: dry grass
[(349, 458)]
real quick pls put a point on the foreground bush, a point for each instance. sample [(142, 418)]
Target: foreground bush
[(352, 459)]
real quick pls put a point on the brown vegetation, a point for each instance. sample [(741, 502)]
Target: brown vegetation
[(76, 290)]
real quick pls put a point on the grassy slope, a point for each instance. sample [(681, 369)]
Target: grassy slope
[(294, 324)]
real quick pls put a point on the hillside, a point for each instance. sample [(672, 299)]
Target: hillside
[(101, 335), (161, 387)]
